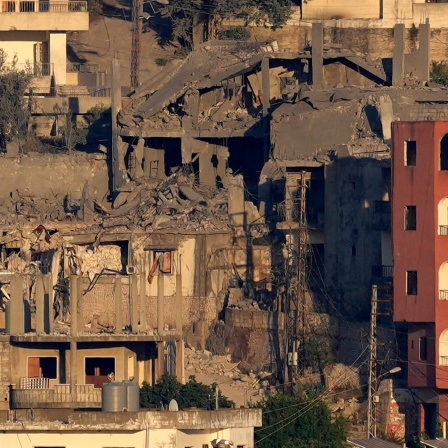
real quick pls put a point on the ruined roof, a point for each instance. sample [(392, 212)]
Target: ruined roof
[(207, 66)]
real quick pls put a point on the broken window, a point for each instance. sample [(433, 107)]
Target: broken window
[(43, 367), (411, 283), (444, 153), (410, 217), (423, 348), (410, 154), (163, 260), (99, 371)]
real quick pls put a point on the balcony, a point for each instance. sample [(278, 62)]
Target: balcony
[(444, 360), (36, 393), (383, 272), (30, 15), (38, 70), (443, 295), (443, 230), (381, 216)]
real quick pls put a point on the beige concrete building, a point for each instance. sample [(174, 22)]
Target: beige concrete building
[(195, 429)]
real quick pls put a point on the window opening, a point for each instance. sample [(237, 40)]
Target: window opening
[(411, 283), (423, 348), (410, 153), (410, 217), (43, 367), (162, 260), (99, 371), (444, 153)]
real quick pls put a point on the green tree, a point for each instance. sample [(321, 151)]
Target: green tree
[(188, 16), (191, 394), (299, 422), (14, 113)]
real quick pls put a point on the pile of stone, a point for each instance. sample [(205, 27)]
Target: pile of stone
[(176, 201), (203, 361)]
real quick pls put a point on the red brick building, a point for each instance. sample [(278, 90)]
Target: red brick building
[(420, 251)]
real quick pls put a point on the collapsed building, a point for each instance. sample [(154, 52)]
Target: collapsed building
[(189, 232)]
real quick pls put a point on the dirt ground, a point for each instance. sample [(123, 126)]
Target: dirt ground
[(110, 35)]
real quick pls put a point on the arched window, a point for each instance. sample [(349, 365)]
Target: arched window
[(442, 213), (443, 281), (443, 348), (444, 153)]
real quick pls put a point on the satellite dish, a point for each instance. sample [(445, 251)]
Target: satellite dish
[(173, 406)]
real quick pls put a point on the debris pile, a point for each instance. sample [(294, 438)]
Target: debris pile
[(203, 361), (176, 201)]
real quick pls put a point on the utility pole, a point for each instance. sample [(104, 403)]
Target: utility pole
[(296, 270), (137, 11), (373, 380)]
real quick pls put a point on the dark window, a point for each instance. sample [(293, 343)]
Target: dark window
[(410, 217), (444, 153), (423, 348), (353, 250), (410, 157), (42, 367), (412, 344), (411, 283)]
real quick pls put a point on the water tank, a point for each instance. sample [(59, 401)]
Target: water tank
[(114, 397), (132, 396)]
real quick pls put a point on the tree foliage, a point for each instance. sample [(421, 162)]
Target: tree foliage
[(186, 16), (191, 394), (439, 72), (14, 113), (299, 422)]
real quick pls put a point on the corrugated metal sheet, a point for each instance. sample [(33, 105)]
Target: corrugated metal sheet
[(373, 443)]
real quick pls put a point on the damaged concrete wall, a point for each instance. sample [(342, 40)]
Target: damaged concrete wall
[(5, 374), (352, 235)]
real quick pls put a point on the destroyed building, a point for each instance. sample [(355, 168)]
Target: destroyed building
[(189, 232)]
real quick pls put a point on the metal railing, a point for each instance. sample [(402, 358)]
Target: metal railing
[(443, 294), (34, 383), (42, 6), (74, 67), (383, 271), (37, 69), (48, 92), (444, 360), (443, 230)]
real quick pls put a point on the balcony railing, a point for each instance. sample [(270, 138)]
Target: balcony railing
[(443, 230), (58, 397), (34, 383), (444, 360), (443, 295), (43, 6), (74, 67), (37, 69), (383, 271), (97, 92)]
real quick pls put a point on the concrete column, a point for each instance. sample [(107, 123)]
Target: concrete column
[(40, 304), (317, 54), (73, 362), (266, 85), (180, 372), (398, 56), (179, 310), (58, 56), (73, 305), (424, 51), (80, 300), (16, 315), (118, 176), (236, 202), (134, 302), (160, 366), (48, 305), (143, 324), (160, 305), (118, 305)]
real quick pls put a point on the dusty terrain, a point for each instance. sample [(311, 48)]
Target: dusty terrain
[(110, 35)]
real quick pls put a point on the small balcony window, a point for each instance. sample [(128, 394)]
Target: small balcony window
[(410, 217), (410, 153), (411, 283), (444, 153), (423, 348)]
